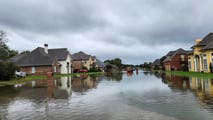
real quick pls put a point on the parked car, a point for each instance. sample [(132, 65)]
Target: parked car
[(20, 74)]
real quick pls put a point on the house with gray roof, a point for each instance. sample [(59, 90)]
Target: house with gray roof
[(82, 60), (176, 60), (201, 58), (43, 60)]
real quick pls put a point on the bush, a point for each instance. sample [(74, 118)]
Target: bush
[(7, 70), (93, 69)]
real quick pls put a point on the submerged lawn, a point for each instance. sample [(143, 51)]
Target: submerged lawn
[(190, 74), (41, 77)]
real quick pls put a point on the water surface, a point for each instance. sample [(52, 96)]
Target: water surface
[(143, 96)]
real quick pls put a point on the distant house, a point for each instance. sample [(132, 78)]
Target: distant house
[(201, 57), (82, 59), (101, 65), (43, 60), (156, 64), (176, 60)]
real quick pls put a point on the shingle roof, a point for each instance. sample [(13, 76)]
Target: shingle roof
[(206, 40), (171, 54), (100, 63), (157, 62), (208, 46), (38, 57), (80, 56)]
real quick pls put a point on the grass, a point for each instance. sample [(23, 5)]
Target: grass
[(41, 77), (190, 74)]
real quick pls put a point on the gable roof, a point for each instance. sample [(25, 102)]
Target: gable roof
[(171, 54), (38, 57), (80, 56)]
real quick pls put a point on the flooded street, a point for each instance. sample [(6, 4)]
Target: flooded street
[(143, 96)]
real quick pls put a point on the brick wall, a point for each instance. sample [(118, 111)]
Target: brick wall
[(40, 70)]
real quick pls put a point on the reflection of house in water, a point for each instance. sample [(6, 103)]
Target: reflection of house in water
[(177, 81), (203, 88), (84, 83), (42, 89), (64, 88)]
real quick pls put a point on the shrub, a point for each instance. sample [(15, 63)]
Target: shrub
[(7, 70)]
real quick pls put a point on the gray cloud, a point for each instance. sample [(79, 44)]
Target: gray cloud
[(135, 30)]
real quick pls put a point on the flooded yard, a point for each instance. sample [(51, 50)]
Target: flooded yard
[(142, 96)]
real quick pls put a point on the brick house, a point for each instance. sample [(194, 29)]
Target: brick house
[(176, 60), (43, 60)]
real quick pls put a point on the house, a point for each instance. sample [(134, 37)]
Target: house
[(101, 65), (43, 60), (201, 57), (176, 60), (156, 64), (82, 60)]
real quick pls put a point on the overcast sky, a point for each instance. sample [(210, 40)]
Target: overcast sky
[(133, 30)]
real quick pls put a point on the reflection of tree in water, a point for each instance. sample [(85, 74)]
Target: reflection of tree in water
[(7, 93), (114, 76), (146, 73)]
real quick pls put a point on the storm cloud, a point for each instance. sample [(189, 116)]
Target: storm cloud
[(134, 30)]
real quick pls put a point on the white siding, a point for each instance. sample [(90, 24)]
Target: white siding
[(64, 69)]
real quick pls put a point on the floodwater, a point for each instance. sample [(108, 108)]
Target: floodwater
[(143, 96)]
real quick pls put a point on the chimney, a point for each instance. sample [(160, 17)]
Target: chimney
[(197, 41), (46, 48)]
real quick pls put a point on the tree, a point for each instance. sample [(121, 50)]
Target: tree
[(4, 49), (25, 52), (117, 62)]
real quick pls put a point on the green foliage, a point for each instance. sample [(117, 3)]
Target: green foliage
[(5, 51), (94, 69), (25, 52), (84, 67), (7, 70), (117, 62)]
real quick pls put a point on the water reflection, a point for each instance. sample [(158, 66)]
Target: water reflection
[(110, 97), (84, 82), (201, 87)]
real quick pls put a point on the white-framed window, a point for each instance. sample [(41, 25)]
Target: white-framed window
[(33, 70), (189, 65), (182, 57), (205, 66)]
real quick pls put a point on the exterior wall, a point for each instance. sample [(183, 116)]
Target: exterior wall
[(41, 70), (89, 63), (66, 68), (191, 63), (176, 62), (208, 57), (167, 66)]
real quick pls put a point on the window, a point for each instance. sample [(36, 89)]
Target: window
[(189, 65), (182, 57), (204, 55), (205, 66), (212, 54), (189, 57), (33, 69)]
